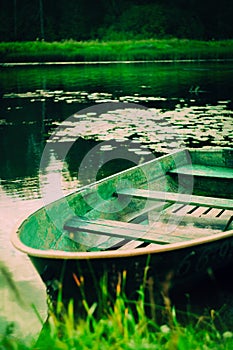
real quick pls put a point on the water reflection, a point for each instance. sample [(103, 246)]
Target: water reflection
[(155, 79)]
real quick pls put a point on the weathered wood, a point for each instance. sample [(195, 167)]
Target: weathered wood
[(197, 212), (183, 209), (212, 213), (226, 214), (203, 170), (221, 203), (158, 232), (113, 228), (138, 217), (197, 216), (200, 221), (222, 157), (229, 223), (133, 245)]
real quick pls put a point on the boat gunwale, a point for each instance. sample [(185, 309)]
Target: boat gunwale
[(59, 254)]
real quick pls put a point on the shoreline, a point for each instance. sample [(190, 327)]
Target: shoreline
[(67, 63)]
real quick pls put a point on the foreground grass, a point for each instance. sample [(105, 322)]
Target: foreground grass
[(125, 325), (119, 329), (136, 50)]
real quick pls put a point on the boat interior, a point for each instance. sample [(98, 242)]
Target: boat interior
[(176, 198), (168, 216)]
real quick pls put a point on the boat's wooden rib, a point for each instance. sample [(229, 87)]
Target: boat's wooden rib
[(181, 209), (197, 212), (229, 223), (187, 214), (218, 218), (221, 203), (212, 213), (225, 214), (133, 245)]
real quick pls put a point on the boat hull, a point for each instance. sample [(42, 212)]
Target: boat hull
[(171, 270)]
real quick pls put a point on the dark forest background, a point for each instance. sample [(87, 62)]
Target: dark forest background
[(23, 20)]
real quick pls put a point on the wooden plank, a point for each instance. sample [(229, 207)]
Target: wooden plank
[(213, 213), (155, 216), (139, 217), (203, 170), (133, 245), (197, 216), (221, 203), (190, 231), (152, 245), (114, 228), (151, 234), (229, 224), (183, 209), (200, 221), (228, 215), (197, 212)]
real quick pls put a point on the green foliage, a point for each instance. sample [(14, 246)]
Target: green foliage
[(154, 21), (151, 49), (133, 21), (126, 325), (120, 327)]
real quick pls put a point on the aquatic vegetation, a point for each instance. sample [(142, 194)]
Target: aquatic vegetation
[(156, 129)]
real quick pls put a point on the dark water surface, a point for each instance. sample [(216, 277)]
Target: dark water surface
[(157, 107)]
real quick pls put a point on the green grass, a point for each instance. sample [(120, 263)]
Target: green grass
[(119, 329), (124, 325), (136, 50)]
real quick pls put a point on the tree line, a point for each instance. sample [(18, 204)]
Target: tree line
[(55, 20)]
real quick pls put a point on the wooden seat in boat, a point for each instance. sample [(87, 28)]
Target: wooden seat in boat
[(125, 230), (173, 197), (204, 171), (177, 223)]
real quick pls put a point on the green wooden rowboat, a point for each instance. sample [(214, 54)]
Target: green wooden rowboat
[(172, 215)]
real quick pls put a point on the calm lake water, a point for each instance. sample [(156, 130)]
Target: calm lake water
[(152, 108)]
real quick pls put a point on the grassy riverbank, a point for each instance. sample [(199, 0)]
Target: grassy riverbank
[(120, 329), (138, 50), (125, 325)]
